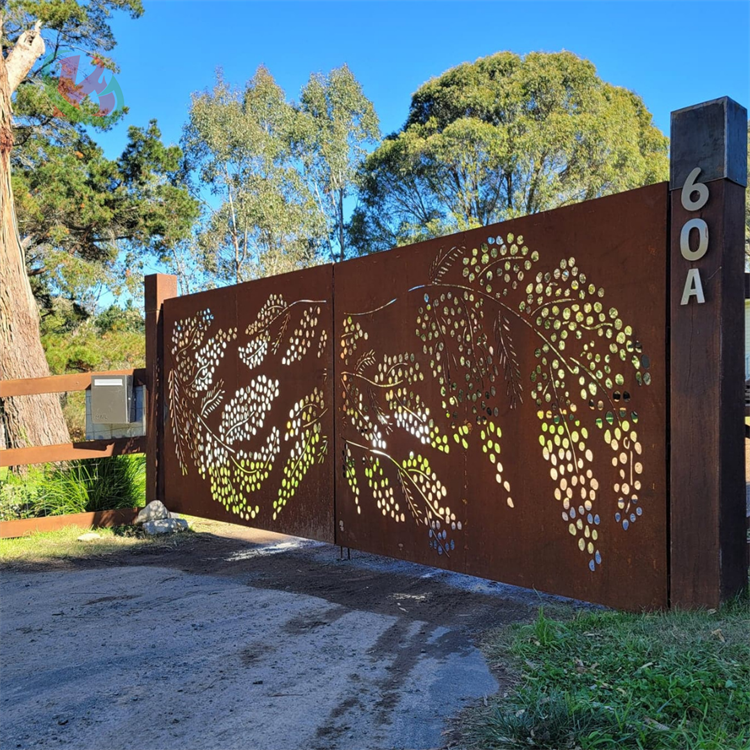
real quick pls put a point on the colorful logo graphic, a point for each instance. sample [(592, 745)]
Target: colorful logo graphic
[(69, 85)]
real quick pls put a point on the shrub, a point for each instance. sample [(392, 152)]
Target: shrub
[(74, 487)]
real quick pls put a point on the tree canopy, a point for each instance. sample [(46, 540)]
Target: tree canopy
[(79, 212), (502, 137), (335, 123), (273, 174), (86, 222), (259, 218)]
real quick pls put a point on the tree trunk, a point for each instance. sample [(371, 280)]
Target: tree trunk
[(341, 225), (26, 420)]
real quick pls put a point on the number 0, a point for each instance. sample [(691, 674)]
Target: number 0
[(702, 248)]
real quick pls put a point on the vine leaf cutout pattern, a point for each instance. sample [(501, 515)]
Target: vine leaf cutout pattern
[(476, 304), (232, 453)]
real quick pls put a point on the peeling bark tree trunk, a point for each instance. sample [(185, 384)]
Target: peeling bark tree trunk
[(28, 420)]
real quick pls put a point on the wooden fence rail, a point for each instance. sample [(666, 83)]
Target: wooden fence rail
[(67, 451), (79, 381), (40, 454)]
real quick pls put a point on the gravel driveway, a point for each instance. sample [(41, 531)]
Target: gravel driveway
[(252, 641)]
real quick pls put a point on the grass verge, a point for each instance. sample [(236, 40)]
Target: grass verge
[(44, 547), (74, 487), (663, 681)]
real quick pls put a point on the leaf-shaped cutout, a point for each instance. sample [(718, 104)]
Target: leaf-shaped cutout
[(382, 491), (564, 442), (451, 327), (303, 335), (322, 342), (272, 309), (491, 437), (367, 359), (229, 488), (188, 332), (280, 333), (244, 414), (411, 414), (208, 359), (508, 359), (350, 473), (443, 261), (622, 439), (303, 455), (178, 419), (213, 399), (254, 352), (422, 487), (305, 413), (252, 469)]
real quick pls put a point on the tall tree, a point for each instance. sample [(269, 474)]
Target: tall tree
[(336, 123), (77, 210), (260, 218), (87, 222), (502, 137)]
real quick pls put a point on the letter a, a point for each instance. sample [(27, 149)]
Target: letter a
[(693, 287)]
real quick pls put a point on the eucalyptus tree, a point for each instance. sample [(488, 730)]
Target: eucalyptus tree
[(336, 124), (260, 217), (502, 137)]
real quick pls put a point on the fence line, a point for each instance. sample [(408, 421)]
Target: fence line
[(39, 454)]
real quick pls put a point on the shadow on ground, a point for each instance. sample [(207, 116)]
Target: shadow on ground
[(243, 639)]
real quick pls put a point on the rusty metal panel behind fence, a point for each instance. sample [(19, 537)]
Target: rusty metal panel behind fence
[(250, 404), (501, 401)]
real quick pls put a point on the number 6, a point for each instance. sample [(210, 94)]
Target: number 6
[(690, 187)]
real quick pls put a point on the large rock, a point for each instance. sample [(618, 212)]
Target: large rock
[(165, 526), (154, 511)]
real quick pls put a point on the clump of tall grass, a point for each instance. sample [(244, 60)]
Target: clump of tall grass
[(74, 487)]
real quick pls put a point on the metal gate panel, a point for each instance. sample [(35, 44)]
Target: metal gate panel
[(249, 397), (501, 401)]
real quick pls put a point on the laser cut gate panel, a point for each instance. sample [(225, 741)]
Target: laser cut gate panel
[(250, 404), (501, 399)]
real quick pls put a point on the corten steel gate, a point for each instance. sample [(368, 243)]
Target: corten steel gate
[(495, 402)]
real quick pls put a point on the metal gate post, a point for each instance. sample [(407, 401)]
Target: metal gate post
[(157, 287), (708, 175)]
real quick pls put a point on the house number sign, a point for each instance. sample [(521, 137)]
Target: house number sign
[(697, 226)]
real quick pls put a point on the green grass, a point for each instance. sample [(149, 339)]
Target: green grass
[(666, 681), (49, 546), (75, 487)]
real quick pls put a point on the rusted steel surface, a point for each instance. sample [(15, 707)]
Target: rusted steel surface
[(501, 401), (249, 429), (97, 519), (158, 287), (60, 383), (40, 454)]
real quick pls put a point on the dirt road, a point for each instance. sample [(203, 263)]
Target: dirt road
[(242, 640)]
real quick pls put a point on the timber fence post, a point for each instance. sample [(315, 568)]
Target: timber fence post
[(708, 175), (158, 287)]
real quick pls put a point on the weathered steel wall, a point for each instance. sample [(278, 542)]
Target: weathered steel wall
[(250, 404), (501, 401), (493, 402)]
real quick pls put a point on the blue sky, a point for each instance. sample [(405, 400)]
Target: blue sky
[(672, 54)]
